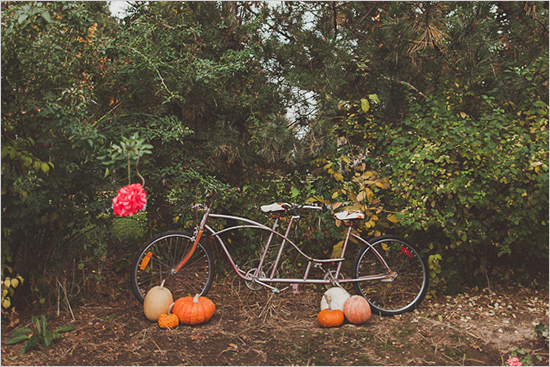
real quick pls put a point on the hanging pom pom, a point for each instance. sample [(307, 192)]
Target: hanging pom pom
[(129, 200)]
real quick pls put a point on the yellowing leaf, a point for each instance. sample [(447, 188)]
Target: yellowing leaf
[(14, 283), (365, 105), (335, 195), (45, 167), (345, 159), (392, 218), (383, 184), (361, 196), (337, 250), (338, 176), (310, 200), (370, 194)]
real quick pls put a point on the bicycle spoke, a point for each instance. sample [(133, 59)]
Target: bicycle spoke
[(165, 252), (397, 294)]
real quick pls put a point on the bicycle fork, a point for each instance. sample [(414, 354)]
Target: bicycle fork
[(197, 236)]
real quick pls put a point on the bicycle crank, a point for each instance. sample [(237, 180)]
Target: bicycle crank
[(253, 284)]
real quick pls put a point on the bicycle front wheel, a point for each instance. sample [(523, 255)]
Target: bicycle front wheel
[(403, 292), (157, 259)]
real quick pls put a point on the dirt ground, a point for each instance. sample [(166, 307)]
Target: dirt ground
[(262, 328)]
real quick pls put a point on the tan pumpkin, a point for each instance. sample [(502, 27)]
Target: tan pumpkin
[(194, 310), (357, 310), (329, 317), (157, 302)]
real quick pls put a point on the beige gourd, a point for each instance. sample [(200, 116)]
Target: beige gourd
[(157, 302), (337, 296)]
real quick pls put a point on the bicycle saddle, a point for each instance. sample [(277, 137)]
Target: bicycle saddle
[(275, 207), (349, 215)]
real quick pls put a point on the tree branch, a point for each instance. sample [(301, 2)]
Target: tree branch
[(407, 84)]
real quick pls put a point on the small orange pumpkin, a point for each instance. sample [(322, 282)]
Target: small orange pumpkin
[(194, 310), (329, 317), (357, 310), (168, 321)]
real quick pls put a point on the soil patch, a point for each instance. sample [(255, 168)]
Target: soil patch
[(262, 328)]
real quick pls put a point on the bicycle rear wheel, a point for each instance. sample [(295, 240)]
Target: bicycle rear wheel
[(157, 259), (400, 294)]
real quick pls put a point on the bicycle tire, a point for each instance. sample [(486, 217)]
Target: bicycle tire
[(157, 258), (406, 291)]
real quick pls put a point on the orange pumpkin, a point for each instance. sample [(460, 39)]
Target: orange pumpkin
[(329, 317), (194, 310), (168, 321), (357, 310)]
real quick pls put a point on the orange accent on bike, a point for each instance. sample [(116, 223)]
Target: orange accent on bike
[(190, 253), (145, 261)]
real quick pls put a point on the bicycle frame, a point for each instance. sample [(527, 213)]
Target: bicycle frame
[(263, 280)]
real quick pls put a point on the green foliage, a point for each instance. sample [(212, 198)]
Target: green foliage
[(482, 183), (523, 356), (9, 284), (541, 332), (444, 102), (130, 150), (38, 334)]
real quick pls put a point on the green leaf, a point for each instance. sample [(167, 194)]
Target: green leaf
[(48, 338), (17, 339), (43, 319), (46, 15), (65, 329), (31, 343), (374, 97), (22, 18), (36, 323)]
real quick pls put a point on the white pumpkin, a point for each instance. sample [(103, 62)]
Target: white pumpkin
[(337, 297), (157, 302)]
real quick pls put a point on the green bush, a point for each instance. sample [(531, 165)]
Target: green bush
[(476, 187)]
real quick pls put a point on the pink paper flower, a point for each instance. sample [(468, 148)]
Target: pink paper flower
[(129, 200), (514, 362)]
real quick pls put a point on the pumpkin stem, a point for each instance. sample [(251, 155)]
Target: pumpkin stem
[(162, 284), (328, 299), (196, 299)]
